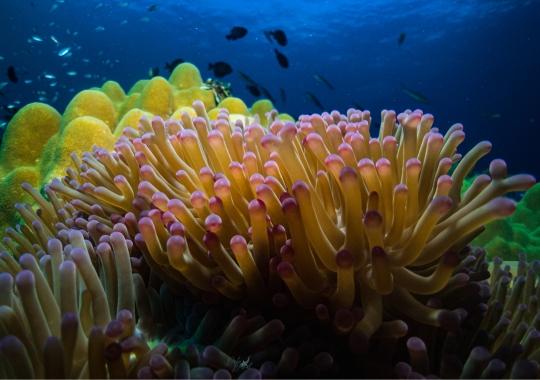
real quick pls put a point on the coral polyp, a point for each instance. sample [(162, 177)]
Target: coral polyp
[(316, 213)]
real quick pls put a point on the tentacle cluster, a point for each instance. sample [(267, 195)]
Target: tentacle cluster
[(215, 340), (60, 318), (316, 212), (503, 341), (66, 274)]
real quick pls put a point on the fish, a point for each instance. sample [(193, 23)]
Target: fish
[(53, 38), (88, 76), (247, 78), (63, 52), (323, 80), (152, 8), (2, 85), (71, 73), (220, 68), (10, 111), (277, 35), (124, 22), (236, 33), (153, 72), (253, 90), (52, 84), (53, 8), (311, 97), (49, 76), (267, 94), (253, 87), (283, 95), (145, 19), (28, 81), (491, 115), (1, 58), (99, 28), (419, 97), (401, 38), (12, 75), (282, 59), (170, 66), (37, 38)]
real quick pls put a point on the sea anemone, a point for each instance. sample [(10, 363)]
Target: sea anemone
[(502, 342), (76, 275), (316, 213), (61, 317)]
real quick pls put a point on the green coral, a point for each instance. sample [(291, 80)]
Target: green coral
[(519, 233)]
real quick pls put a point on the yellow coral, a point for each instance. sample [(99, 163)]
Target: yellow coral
[(177, 115), (130, 119), (188, 87), (38, 141), (114, 91), (234, 105), (157, 97), (35, 121), (91, 103), (95, 132), (138, 86), (129, 103), (185, 76), (285, 117), (261, 107), (10, 191), (185, 98)]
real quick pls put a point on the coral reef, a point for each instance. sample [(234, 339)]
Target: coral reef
[(519, 233), (38, 141), (218, 242)]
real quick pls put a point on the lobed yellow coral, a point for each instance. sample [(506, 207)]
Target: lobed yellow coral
[(39, 141)]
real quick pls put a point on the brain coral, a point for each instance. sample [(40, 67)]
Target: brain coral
[(38, 141)]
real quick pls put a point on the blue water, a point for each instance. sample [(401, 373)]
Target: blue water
[(476, 61)]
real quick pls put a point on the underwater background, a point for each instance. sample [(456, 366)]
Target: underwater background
[(473, 62), (272, 189)]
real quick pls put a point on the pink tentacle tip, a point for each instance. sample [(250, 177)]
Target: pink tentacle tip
[(176, 243), (344, 259), (285, 270), (348, 174)]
